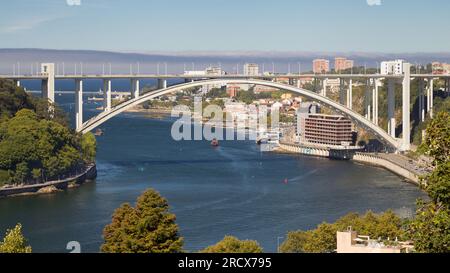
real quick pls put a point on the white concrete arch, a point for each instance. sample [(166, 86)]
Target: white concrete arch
[(340, 109)]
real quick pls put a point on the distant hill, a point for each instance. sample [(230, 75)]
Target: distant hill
[(179, 60)]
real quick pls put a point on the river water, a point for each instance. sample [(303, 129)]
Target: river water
[(230, 190)]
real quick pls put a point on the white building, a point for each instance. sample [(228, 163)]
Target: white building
[(251, 69), (392, 67)]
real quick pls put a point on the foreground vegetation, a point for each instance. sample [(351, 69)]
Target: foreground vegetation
[(15, 242), (37, 145)]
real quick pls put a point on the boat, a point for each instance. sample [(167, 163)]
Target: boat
[(214, 142), (98, 132)]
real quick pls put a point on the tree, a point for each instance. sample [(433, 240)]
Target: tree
[(15, 242), (295, 242), (430, 228), (231, 244), (437, 140), (323, 238), (88, 147), (146, 228)]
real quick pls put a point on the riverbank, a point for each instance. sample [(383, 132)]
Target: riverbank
[(383, 161), (52, 186)]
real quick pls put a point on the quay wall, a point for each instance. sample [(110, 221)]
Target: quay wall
[(366, 158), (89, 174)]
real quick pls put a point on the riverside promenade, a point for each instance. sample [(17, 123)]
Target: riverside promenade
[(89, 173), (395, 163)]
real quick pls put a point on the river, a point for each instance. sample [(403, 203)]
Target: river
[(230, 190)]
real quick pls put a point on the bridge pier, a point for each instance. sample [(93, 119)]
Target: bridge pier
[(324, 87), (48, 84), (162, 83), (134, 88), (421, 101), (430, 96), (406, 108), (350, 94), (78, 104), (375, 96), (107, 94), (17, 83), (391, 107), (342, 92), (367, 100)]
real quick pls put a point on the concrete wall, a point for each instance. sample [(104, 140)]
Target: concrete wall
[(378, 161), (356, 156)]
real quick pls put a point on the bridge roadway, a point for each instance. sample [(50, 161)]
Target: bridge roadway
[(228, 76)]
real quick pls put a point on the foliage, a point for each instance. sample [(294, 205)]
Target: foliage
[(323, 238), (15, 242), (437, 139), (36, 143), (146, 228), (231, 244), (430, 228), (29, 146), (88, 147), (13, 99)]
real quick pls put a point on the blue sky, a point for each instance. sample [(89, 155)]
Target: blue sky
[(227, 25)]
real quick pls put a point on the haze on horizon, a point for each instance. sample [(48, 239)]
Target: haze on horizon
[(224, 26)]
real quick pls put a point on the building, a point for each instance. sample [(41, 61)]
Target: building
[(392, 67), (321, 66), (440, 68), (251, 69), (233, 90), (350, 242), (341, 63), (214, 71), (330, 130)]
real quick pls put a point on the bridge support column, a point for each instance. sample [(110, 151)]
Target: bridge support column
[(430, 96), (134, 88), (342, 91), (391, 107), (324, 87), (298, 83), (350, 94), (78, 104), (291, 81), (375, 96), (162, 83), (48, 84), (367, 100), (421, 101), (107, 95), (17, 83), (406, 108)]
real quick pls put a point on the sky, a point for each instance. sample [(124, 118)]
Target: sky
[(388, 26)]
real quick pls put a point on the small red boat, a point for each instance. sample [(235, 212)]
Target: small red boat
[(214, 143)]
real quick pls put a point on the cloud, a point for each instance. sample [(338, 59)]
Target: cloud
[(374, 2), (26, 24), (73, 2)]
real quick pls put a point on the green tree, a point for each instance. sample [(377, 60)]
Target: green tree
[(296, 242), (437, 138), (148, 227), (430, 228), (88, 147), (231, 244), (323, 238), (15, 242)]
